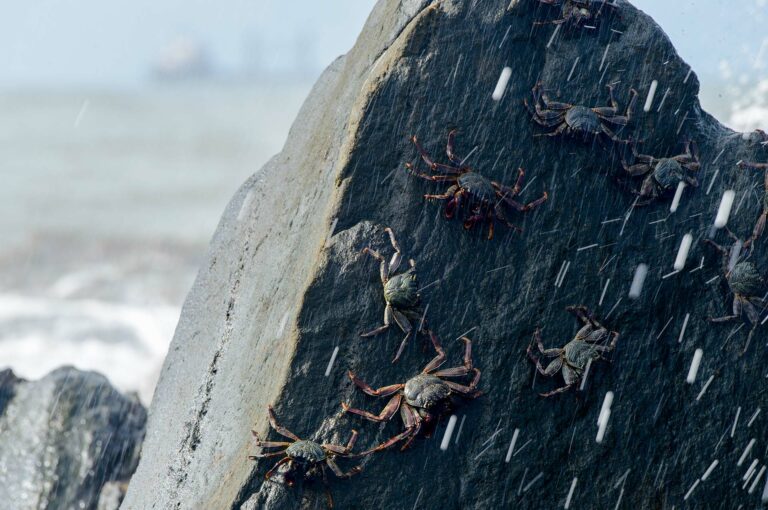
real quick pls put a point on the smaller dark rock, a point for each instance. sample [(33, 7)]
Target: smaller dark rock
[(67, 439)]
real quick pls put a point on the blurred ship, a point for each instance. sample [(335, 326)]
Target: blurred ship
[(183, 59)]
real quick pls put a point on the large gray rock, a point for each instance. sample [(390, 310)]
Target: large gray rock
[(63, 438), (285, 282)]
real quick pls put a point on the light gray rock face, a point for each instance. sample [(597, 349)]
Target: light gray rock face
[(63, 438), (285, 282)]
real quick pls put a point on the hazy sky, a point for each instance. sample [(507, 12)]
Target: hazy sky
[(113, 42)]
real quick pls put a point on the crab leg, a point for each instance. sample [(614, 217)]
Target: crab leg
[(502, 218), (642, 157), (548, 123), (489, 220), (338, 472), (386, 414), (636, 170), (405, 325), (394, 263), (412, 421), (719, 248), (388, 311), (554, 366), (433, 178), (342, 450), (383, 270), (279, 429), (554, 22), (560, 129), (761, 221), (392, 441), (546, 352), (437, 360), (468, 389), (555, 392), (545, 114), (455, 371), (611, 134), (757, 232), (434, 166), (548, 103), (453, 205), (470, 222), (265, 455), (384, 391), (737, 310), (268, 444), (753, 166), (276, 466), (449, 193), (449, 147), (527, 207)]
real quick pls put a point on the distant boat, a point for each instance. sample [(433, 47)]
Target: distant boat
[(182, 59)]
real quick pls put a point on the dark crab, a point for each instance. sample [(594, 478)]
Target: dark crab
[(577, 12), (744, 281), (662, 175), (760, 225), (305, 459), (423, 398), (401, 295), (579, 121), (572, 360), (481, 197)]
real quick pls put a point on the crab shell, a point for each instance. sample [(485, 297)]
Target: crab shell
[(745, 280), (576, 11), (426, 391), (306, 452), (583, 120), (668, 173), (477, 186), (401, 291), (580, 350)]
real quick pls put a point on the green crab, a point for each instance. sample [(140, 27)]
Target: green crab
[(744, 281), (305, 459), (401, 295), (572, 359)]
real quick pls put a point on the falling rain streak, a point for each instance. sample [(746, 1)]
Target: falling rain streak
[(641, 271), (448, 433), (682, 253), (501, 85), (724, 211)]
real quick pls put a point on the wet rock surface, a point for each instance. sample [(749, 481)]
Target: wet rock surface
[(286, 283), (64, 438)]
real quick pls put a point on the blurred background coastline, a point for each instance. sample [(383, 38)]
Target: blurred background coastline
[(122, 137)]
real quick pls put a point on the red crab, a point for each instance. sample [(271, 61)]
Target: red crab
[(481, 197)]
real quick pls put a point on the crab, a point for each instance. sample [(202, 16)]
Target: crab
[(305, 459), (422, 399), (761, 221), (401, 295), (579, 121), (578, 12), (759, 136), (481, 197), (744, 281), (572, 360), (663, 174)]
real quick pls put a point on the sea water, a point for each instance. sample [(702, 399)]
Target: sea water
[(107, 203)]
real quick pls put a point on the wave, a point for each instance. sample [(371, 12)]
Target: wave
[(125, 342)]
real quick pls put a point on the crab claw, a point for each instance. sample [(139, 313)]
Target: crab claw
[(345, 407)]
